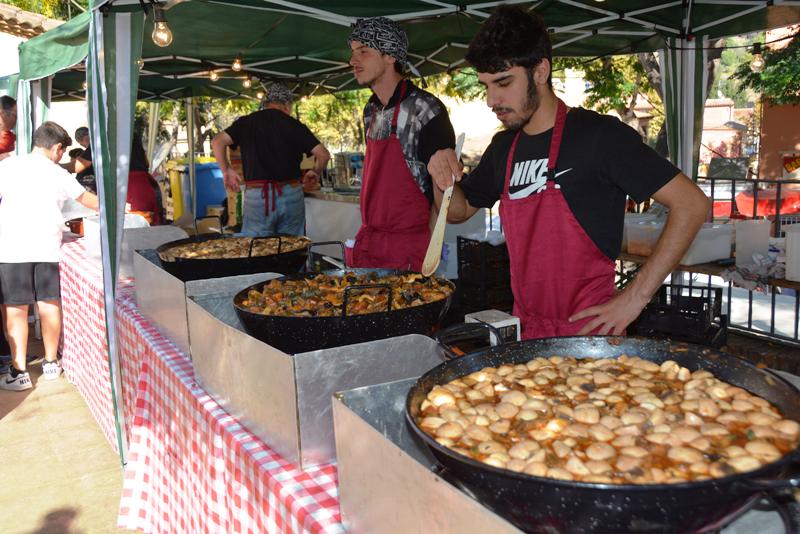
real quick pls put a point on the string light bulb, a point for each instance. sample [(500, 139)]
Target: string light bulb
[(757, 64), (260, 95), (213, 76), (140, 63), (237, 64), (162, 35), (84, 86), (247, 83)]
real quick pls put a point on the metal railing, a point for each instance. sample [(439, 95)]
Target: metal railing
[(773, 314)]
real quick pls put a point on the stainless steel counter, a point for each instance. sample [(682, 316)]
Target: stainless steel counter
[(286, 399)]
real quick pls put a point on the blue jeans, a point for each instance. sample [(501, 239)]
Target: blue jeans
[(288, 217)]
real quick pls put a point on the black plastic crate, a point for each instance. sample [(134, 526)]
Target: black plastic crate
[(683, 313), (482, 263), (476, 298)]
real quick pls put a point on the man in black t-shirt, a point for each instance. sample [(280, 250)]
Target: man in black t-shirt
[(272, 145), (563, 218)]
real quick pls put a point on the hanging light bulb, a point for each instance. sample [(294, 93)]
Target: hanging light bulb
[(162, 35), (237, 64), (758, 63), (247, 83), (140, 63), (213, 76), (84, 86), (260, 95)]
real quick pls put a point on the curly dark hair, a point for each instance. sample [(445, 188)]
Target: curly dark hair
[(511, 37)]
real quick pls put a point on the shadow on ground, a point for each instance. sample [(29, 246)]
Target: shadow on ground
[(58, 521)]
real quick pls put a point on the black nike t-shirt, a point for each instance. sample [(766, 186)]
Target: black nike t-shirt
[(600, 163), (272, 144)]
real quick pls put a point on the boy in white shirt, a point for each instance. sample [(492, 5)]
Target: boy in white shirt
[(33, 189)]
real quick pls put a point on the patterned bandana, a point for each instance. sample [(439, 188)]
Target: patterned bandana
[(279, 93), (382, 34)]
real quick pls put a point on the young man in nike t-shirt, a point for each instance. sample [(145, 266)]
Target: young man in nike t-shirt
[(562, 177)]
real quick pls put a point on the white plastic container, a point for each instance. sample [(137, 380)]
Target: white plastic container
[(631, 218), (643, 236), (792, 252), (752, 237), (712, 243)]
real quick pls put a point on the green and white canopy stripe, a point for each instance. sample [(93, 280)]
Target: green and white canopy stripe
[(115, 45), (684, 80)]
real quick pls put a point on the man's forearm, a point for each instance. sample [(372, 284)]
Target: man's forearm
[(221, 155), (457, 212)]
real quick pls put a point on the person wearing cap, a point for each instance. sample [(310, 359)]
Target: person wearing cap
[(562, 177), (272, 143), (404, 126)]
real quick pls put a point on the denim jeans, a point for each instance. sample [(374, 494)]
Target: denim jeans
[(288, 216)]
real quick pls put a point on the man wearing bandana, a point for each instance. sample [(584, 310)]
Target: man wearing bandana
[(404, 127)]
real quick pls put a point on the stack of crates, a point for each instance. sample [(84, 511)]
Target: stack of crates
[(484, 276)]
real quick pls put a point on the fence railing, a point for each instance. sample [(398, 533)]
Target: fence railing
[(775, 312)]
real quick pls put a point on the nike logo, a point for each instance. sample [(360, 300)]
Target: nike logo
[(534, 187)]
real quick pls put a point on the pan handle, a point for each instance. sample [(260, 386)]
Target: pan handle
[(366, 286), (787, 507), (463, 332), (321, 243), (761, 484), (252, 242)]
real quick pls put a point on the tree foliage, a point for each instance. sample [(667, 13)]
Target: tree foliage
[(336, 119), (779, 82), (55, 9)]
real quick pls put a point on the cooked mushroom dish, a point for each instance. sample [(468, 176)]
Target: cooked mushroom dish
[(233, 247), (614, 421), (322, 295)]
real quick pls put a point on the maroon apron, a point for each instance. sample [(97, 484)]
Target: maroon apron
[(556, 269), (394, 231)]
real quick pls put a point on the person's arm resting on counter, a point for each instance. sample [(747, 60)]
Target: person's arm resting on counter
[(322, 156), (688, 208)]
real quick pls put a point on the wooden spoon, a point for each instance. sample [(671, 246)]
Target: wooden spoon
[(434, 253)]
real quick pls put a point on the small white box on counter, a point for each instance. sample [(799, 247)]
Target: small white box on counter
[(507, 324)]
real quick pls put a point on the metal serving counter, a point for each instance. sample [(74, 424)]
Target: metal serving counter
[(286, 399), (389, 482)]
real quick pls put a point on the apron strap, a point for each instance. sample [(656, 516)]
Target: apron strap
[(555, 146), (555, 140), (509, 162), (397, 106)]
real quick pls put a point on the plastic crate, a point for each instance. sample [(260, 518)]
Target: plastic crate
[(476, 298), (683, 313), (481, 263)]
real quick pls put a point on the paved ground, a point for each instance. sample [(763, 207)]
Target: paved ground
[(58, 475)]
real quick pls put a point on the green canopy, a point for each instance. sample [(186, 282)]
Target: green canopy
[(304, 43)]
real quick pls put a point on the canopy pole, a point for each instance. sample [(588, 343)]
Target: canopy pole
[(153, 111), (190, 140)]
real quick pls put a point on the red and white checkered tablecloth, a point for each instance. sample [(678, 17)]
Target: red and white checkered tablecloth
[(191, 466), (84, 350), (194, 468)]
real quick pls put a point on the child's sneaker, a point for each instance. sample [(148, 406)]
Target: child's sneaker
[(20, 382), (51, 370)]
